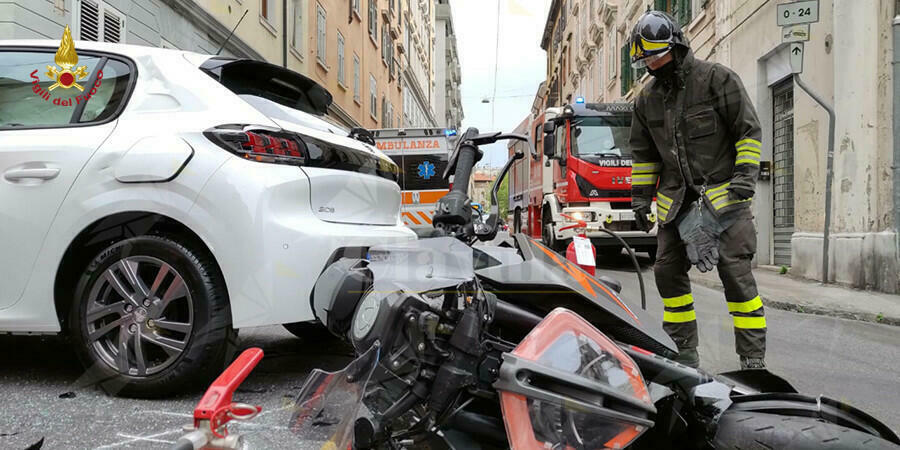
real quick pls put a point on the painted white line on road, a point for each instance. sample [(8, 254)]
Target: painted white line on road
[(166, 413), (144, 439), (139, 438)]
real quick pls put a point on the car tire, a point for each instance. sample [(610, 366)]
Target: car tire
[(309, 331), (165, 303)]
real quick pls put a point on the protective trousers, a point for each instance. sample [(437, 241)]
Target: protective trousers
[(736, 249)]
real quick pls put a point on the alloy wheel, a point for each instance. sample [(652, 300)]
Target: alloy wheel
[(139, 315)]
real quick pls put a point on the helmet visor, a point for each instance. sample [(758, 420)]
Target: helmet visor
[(647, 60)]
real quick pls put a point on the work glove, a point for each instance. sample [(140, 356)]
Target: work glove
[(700, 229), (701, 245), (740, 193), (642, 210)]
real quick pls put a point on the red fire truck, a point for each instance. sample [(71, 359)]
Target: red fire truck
[(584, 172)]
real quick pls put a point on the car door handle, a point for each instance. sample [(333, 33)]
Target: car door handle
[(40, 173)]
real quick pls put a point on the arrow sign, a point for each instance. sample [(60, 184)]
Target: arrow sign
[(796, 57)]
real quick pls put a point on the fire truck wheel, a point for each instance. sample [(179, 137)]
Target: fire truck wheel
[(549, 238)]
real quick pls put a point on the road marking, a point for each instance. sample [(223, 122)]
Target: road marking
[(140, 438)]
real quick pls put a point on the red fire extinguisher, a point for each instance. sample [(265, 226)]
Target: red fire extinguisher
[(580, 226)]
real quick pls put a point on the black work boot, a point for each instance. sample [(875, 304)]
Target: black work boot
[(752, 363), (689, 357)]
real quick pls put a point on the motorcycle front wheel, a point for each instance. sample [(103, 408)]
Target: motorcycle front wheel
[(760, 431)]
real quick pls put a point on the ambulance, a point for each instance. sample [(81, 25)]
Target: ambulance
[(422, 155)]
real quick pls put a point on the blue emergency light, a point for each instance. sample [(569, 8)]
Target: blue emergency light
[(579, 100), (450, 132)]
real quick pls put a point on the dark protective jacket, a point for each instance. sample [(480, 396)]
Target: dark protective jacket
[(699, 130)]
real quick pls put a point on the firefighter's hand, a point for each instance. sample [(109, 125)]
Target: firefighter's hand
[(740, 193), (641, 218)]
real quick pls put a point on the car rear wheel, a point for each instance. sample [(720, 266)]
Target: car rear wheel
[(152, 318)]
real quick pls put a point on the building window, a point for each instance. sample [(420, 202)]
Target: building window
[(384, 112), (611, 62), (297, 34), (356, 94), (340, 48), (373, 98), (384, 42), (354, 5), (267, 10), (373, 20), (99, 22), (627, 77), (681, 10), (600, 71), (409, 48), (320, 34)]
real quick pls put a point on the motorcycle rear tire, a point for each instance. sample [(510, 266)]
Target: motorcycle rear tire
[(761, 431)]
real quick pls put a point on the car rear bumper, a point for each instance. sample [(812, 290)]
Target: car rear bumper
[(269, 245)]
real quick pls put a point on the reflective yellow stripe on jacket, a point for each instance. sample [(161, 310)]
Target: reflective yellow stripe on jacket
[(645, 174), (748, 152), (663, 204)]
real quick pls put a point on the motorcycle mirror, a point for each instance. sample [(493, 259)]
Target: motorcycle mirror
[(613, 283)]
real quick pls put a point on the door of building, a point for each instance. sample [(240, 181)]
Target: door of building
[(783, 171)]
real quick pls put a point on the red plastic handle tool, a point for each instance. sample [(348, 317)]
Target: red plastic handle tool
[(216, 402)]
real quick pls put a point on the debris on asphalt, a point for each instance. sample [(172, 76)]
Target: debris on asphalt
[(249, 390), (9, 434), (69, 394)]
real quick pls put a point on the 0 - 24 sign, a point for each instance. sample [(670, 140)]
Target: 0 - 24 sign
[(798, 12)]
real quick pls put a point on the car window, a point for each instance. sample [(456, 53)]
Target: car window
[(33, 90), (111, 93), (29, 97)]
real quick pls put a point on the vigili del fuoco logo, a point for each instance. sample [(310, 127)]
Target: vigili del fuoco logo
[(64, 76)]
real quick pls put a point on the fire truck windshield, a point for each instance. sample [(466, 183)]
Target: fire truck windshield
[(601, 136)]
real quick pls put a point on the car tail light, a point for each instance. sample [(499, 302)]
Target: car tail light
[(260, 144), (566, 385)]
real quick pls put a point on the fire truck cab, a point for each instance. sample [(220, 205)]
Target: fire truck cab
[(584, 173)]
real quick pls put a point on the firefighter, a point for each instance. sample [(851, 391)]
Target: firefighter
[(696, 143)]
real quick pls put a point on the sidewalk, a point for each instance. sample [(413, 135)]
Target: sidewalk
[(794, 294)]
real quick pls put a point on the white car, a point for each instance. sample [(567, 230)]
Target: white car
[(175, 198)]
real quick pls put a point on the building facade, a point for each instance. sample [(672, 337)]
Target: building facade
[(356, 49), (418, 71), (847, 61), (448, 109)]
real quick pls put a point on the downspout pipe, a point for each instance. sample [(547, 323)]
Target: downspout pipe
[(829, 171), (896, 118)]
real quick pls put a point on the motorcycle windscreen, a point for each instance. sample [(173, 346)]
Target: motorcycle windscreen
[(330, 402), (567, 344)]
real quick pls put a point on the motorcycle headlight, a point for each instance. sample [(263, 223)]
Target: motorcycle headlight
[(567, 385)]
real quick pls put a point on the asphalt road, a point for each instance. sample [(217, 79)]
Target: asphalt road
[(851, 361), (855, 362)]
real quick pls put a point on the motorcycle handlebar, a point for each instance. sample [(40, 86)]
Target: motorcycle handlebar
[(464, 166)]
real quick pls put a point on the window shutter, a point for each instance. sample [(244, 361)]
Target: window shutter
[(112, 27), (99, 22), (660, 5), (89, 21), (625, 78), (685, 10)]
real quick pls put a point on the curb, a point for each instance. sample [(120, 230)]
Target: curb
[(811, 309)]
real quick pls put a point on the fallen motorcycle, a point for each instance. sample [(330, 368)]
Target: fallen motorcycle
[(512, 346)]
